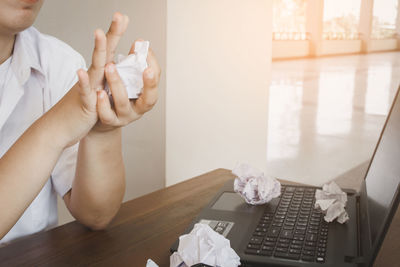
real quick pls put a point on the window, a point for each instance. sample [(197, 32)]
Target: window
[(341, 19), (384, 19), (289, 20)]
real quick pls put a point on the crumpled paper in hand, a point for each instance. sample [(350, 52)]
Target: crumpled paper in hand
[(204, 245), (254, 186), (130, 68), (332, 201)]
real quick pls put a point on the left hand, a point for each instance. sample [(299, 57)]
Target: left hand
[(126, 111)]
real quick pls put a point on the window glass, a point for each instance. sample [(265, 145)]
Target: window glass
[(289, 20), (384, 19), (341, 19)]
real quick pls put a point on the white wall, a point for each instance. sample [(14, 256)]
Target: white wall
[(290, 49), (218, 63), (337, 47), (74, 21), (383, 45)]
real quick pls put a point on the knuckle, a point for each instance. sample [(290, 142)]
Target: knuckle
[(124, 108)]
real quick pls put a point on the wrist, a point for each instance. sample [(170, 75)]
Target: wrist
[(104, 136)]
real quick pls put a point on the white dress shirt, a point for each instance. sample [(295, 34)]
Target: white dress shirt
[(43, 69)]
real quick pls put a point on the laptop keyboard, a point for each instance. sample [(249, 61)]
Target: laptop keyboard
[(291, 228)]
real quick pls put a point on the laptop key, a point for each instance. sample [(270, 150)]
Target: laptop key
[(296, 246), (290, 189), (310, 243), (267, 243), (253, 251), (311, 237), (298, 237), (283, 245), (256, 240), (297, 242), (294, 251), (283, 240), (267, 248), (320, 259), (287, 234), (253, 246), (308, 248), (260, 234), (307, 258), (281, 250), (273, 232), (299, 232), (308, 252), (266, 253)]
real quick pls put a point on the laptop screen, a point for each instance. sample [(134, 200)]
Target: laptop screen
[(382, 180)]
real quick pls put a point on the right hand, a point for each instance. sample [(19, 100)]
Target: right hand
[(77, 110)]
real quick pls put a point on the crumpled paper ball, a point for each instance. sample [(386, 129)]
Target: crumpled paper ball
[(204, 245), (130, 68), (254, 186), (332, 201)]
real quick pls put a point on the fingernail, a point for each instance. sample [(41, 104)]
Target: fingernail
[(115, 17), (150, 74), (110, 68)]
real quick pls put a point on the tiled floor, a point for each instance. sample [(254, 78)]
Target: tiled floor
[(326, 114)]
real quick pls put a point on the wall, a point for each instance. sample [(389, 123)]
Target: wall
[(383, 45), (74, 22), (218, 62), (336, 47), (290, 49)]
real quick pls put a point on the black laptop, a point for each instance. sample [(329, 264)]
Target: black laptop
[(288, 231)]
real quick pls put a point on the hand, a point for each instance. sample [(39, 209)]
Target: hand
[(126, 111), (104, 51), (77, 109)]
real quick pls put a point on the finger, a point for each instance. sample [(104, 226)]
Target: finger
[(106, 114), (85, 90), (84, 83), (120, 96), (153, 64), (149, 96), (117, 29), (96, 70)]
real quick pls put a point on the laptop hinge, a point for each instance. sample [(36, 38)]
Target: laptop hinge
[(358, 222), (359, 260)]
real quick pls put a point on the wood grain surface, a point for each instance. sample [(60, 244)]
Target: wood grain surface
[(144, 228)]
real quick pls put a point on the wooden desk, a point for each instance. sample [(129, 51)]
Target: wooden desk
[(143, 228)]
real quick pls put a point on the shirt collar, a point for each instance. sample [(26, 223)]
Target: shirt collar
[(25, 56)]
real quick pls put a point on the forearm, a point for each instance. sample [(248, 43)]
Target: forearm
[(99, 184), (26, 167)]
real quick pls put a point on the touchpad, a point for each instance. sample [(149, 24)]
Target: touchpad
[(230, 201)]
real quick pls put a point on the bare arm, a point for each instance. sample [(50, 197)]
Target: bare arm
[(99, 183), (27, 165)]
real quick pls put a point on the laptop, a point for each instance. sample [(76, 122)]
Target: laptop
[(288, 231)]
